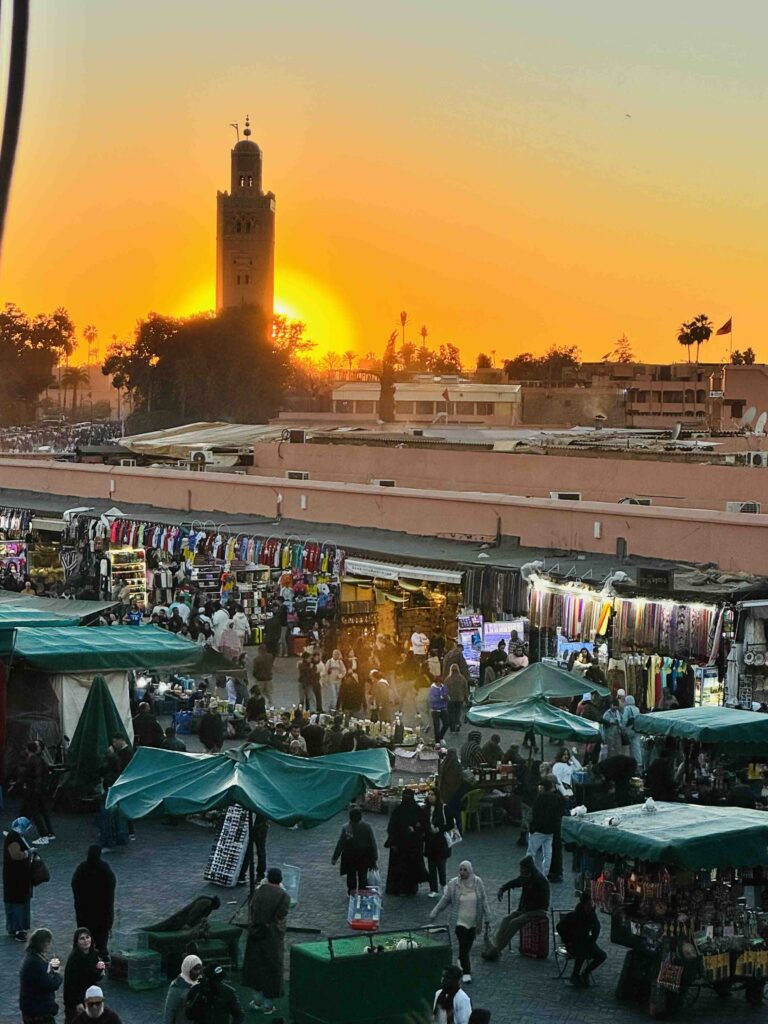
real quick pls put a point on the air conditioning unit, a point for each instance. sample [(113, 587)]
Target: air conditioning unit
[(296, 474), (566, 495), (201, 457), (297, 437), (636, 501), (384, 483), (752, 507), (127, 462), (759, 459)]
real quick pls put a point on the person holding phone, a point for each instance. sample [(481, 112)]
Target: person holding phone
[(39, 979)]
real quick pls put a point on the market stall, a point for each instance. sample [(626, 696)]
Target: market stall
[(729, 729), (86, 612), (537, 680), (673, 878), (535, 714)]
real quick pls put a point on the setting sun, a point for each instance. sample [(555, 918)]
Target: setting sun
[(300, 297)]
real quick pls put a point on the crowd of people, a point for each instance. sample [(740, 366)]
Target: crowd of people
[(57, 438)]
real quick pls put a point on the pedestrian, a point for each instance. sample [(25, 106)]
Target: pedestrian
[(18, 856), (334, 736), (93, 889), (335, 670), (211, 731), (628, 716), (34, 779), (281, 615), (212, 1001), (39, 979), (471, 754), (437, 701), (84, 968), (147, 731), (405, 842), (450, 783), (383, 697), (534, 903), (438, 821), (314, 735), (256, 706), (257, 847), (419, 645), (113, 827), (179, 989), (458, 693), (579, 931), (611, 731), (264, 950), (466, 898), (172, 741), (262, 668), (546, 814), (492, 751), (95, 1008), (309, 683), (563, 769), (451, 1005), (241, 625), (455, 656), (351, 694), (356, 850)]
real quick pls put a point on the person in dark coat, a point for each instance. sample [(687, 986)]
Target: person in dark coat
[(450, 783), (264, 950), (534, 903), (212, 1001), (38, 980), (84, 968), (17, 879), (579, 931), (351, 696), (147, 731), (405, 842), (95, 1008), (33, 776), (437, 821), (93, 888), (357, 851), (212, 732), (314, 735)]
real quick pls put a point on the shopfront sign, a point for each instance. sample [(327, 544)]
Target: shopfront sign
[(655, 579), (385, 571)]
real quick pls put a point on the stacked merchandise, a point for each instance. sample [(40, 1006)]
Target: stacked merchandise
[(129, 566), (228, 852)]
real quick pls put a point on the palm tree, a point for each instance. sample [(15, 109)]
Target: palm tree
[(349, 356), (72, 378), (331, 361), (403, 322), (684, 337), (700, 329)]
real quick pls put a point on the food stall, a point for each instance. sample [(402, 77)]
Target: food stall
[(537, 680), (674, 878)]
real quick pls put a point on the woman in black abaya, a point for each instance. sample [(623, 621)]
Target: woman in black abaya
[(405, 841)]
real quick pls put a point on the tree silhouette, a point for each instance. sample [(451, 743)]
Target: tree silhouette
[(71, 379), (483, 362), (403, 321), (349, 357), (387, 380)]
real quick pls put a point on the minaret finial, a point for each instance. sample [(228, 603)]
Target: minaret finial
[(247, 129)]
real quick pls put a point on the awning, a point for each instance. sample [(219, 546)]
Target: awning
[(730, 728), (16, 615), (385, 571), (47, 525)]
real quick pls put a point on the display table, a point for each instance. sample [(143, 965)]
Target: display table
[(337, 979), (174, 946)]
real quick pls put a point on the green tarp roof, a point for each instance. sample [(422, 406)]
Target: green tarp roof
[(286, 789), (681, 835), (538, 679), (737, 730), (537, 715), (99, 722), (83, 611), (12, 615), (99, 648)]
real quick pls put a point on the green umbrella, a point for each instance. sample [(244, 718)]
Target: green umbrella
[(285, 789), (538, 680), (537, 715), (99, 723), (730, 728)]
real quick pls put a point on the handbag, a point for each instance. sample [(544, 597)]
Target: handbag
[(374, 879), (39, 872), (488, 946), (452, 837)]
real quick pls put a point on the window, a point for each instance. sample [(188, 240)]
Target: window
[(247, 227), (404, 408), (342, 406), (673, 397), (701, 396), (238, 279), (364, 406), (485, 408), (238, 227), (242, 181), (425, 408), (465, 408), (247, 278), (250, 181), (566, 495)]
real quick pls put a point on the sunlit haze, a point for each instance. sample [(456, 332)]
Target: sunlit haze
[(474, 165)]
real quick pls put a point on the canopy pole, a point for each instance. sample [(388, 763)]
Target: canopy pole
[(251, 865), (541, 737)]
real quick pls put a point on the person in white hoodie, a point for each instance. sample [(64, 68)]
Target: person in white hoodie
[(179, 989), (335, 670)]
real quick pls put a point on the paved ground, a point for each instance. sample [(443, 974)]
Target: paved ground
[(163, 869)]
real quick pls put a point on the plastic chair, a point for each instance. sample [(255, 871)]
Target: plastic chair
[(470, 810), (487, 813)]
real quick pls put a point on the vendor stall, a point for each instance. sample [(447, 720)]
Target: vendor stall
[(535, 714), (729, 729), (672, 876), (537, 680)]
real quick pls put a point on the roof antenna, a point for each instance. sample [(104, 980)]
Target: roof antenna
[(236, 126)]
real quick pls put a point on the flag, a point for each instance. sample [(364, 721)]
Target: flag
[(726, 328), (446, 396)]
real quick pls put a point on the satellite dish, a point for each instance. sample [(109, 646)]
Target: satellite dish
[(677, 431), (748, 416), (761, 421)]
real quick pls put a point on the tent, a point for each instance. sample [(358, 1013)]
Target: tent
[(286, 789), (734, 730), (538, 679), (13, 616), (686, 836), (58, 607), (537, 715), (99, 722)]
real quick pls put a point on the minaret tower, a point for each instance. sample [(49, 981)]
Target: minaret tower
[(245, 233)]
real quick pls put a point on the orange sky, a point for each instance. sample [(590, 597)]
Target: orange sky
[(471, 164)]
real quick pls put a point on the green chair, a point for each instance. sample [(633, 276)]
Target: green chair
[(470, 810)]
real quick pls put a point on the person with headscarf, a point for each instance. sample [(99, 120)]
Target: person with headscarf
[(405, 842), (458, 694), (611, 731), (213, 1001), (628, 716), (179, 989), (534, 903), (452, 1005), (17, 879), (471, 754), (93, 889), (84, 968), (467, 902), (264, 950), (335, 670), (450, 783)]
